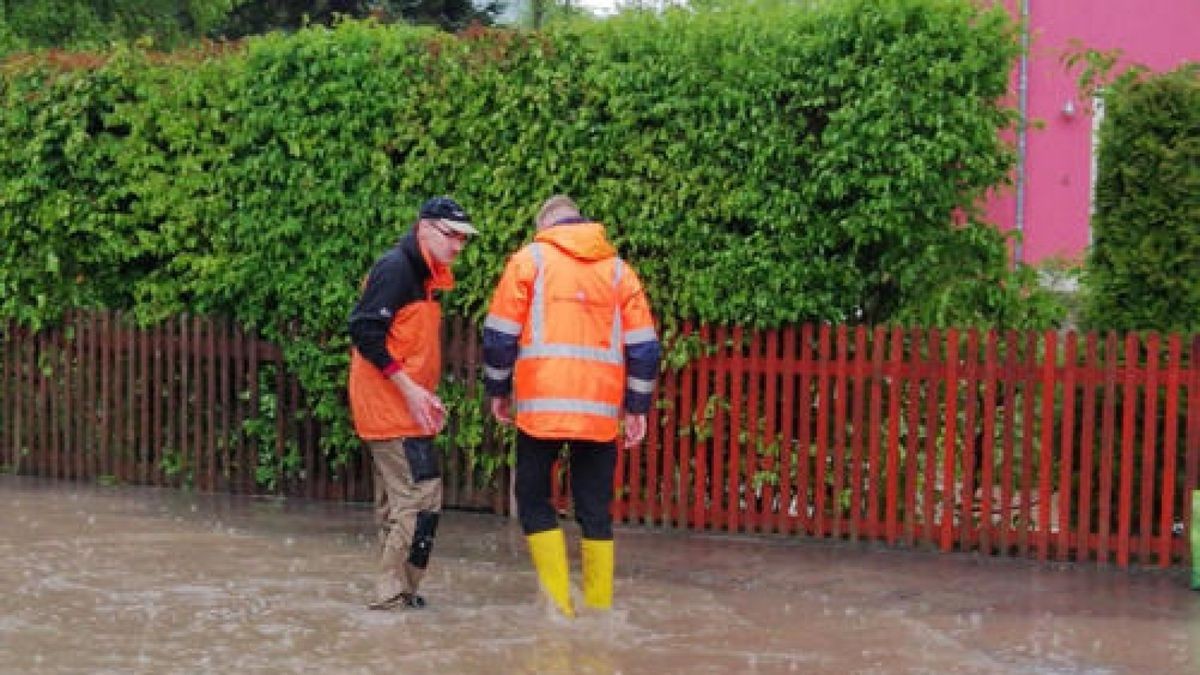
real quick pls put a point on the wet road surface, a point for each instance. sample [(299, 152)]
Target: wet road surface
[(136, 580)]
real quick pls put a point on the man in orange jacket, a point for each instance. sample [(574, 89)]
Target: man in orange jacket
[(395, 366), (570, 326)]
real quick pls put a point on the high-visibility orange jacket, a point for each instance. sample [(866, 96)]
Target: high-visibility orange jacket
[(570, 326), (395, 325)]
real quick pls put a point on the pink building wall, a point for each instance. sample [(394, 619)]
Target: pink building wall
[(1160, 34)]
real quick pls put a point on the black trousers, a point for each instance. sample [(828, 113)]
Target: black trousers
[(592, 467)]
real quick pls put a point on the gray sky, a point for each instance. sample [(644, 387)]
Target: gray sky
[(513, 8), (598, 6)]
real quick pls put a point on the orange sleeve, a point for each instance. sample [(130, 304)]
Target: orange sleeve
[(635, 306), (510, 300)]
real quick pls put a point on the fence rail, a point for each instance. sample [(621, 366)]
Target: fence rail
[(1055, 446)]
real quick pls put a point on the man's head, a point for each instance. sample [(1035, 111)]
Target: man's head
[(554, 209), (443, 228)]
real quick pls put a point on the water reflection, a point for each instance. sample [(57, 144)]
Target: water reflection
[(154, 581)]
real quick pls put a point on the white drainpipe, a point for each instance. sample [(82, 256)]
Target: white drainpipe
[(1022, 131)]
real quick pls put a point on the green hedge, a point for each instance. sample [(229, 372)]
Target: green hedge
[(1143, 270), (777, 164), (75, 23)]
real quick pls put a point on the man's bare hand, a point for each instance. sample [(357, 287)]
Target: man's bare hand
[(500, 410), (424, 406), (635, 429), (427, 410)]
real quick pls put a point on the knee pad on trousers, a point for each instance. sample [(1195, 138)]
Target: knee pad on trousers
[(423, 534)]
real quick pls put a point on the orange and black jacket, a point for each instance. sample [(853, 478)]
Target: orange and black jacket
[(395, 326), (570, 335)]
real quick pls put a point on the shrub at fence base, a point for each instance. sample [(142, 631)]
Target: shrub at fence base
[(1196, 540)]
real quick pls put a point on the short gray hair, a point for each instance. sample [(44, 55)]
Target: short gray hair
[(554, 209)]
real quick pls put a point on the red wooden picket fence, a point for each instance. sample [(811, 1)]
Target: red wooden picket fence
[(1051, 445), (1063, 446), (194, 402)]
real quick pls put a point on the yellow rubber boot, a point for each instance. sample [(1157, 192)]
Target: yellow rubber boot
[(598, 573), (549, 552)]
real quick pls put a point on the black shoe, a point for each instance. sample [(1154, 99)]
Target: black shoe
[(388, 603), (401, 599)]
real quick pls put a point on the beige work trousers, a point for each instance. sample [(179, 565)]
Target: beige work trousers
[(398, 500)]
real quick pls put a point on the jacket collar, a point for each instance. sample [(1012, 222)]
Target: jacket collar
[(429, 272), (411, 249)]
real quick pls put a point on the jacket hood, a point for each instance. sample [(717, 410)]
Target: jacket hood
[(583, 241)]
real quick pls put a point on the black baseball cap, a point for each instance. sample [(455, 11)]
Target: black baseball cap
[(449, 213)]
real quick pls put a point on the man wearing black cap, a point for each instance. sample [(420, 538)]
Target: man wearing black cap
[(395, 366)]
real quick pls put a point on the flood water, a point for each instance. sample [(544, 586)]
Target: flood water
[(136, 580)]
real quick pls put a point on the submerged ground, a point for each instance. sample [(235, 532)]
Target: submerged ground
[(137, 580)]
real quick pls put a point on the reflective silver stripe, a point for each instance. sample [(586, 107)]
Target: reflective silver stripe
[(497, 373), (570, 352), (567, 405), (502, 325), (537, 307), (639, 386), (639, 335)]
